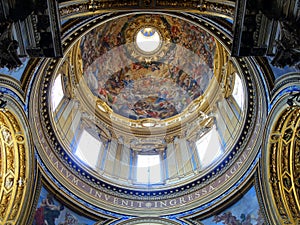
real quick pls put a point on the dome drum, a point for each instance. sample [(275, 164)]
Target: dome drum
[(138, 157)]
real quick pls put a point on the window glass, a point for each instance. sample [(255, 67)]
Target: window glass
[(238, 92), (148, 39), (88, 149), (148, 169), (209, 147), (57, 92)]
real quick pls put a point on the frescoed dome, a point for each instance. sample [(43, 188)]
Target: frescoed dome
[(149, 112), (148, 66), (151, 119), (149, 105)]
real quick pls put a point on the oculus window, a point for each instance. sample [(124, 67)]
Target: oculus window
[(148, 40)]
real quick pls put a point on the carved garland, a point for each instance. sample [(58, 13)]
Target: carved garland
[(13, 169), (284, 169)]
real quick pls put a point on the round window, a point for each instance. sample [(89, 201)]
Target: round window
[(148, 40)]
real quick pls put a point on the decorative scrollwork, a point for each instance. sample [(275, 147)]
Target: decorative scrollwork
[(13, 168), (284, 165)]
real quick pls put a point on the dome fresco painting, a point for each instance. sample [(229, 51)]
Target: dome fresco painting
[(134, 121), (160, 117), (149, 112), (155, 89)]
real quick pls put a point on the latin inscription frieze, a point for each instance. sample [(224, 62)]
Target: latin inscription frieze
[(118, 201), (95, 193)]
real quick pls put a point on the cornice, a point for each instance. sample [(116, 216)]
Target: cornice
[(12, 84), (72, 9)]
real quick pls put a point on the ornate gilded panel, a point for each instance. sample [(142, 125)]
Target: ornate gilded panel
[(284, 166), (14, 169)]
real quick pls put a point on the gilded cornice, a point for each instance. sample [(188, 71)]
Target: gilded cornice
[(72, 9), (171, 127)]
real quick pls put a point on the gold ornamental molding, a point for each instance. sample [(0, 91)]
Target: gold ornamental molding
[(79, 8), (283, 167), (15, 170)]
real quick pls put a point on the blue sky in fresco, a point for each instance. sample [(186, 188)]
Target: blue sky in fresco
[(248, 204)]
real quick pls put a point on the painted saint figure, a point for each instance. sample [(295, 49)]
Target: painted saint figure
[(48, 212)]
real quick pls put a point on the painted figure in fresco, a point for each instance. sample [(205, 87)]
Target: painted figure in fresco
[(229, 219), (47, 212), (162, 95), (150, 93), (148, 90), (128, 82), (70, 220)]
